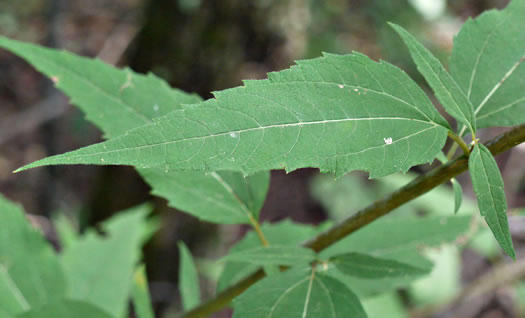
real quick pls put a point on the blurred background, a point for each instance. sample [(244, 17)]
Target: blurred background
[(205, 45)]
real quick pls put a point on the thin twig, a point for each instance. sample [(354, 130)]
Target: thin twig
[(412, 190)]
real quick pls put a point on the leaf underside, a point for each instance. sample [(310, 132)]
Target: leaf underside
[(337, 113), (298, 293), (488, 186), (487, 63)]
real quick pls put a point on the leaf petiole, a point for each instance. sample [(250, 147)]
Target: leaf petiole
[(257, 227), (458, 142)]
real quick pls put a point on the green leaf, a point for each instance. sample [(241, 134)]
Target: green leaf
[(400, 239), (458, 194), (66, 308), (114, 100), (189, 279), (140, 294), (337, 113), (105, 93), (445, 88), (30, 275), (366, 266), (221, 197), (100, 269), (488, 186), (273, 255), (487, 63), (298, 293), (66, 230), (282, 233)]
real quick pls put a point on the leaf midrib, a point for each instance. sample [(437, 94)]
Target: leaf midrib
[(300, 124)]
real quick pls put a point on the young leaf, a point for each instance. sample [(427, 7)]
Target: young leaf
[(487, 63), (458, 194), (273, 255), (446, 89), (337, 113), (234, 198), (140, 294), (105, 93), (66, 308), (105, 280), (114, 100), (30, 275), (366, 266), (488, 186), (300, 293), (189, 279)]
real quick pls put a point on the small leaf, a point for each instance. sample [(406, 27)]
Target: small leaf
[(458, 194), (443, 85), (488, 186), (66, 308), (300, 293), (399, 239), (30, 274), (189, 279), (487, 63), (366, 266), (337, 113), (273, 255), (282, 233), (140, 294), (234, 199), (100, 269)]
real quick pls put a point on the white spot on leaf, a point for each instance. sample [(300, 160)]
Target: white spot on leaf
[(341, 86), (388, 140), (234, 135)]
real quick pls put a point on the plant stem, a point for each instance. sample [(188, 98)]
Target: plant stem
[(412, 190), (257, 227), (459, 141)]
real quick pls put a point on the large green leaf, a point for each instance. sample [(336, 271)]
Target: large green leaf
[(273, 255), (366, 266), (30, 275), (487, 63), (222, 197), (337, 113), (66, 309), (189, 279), (100, 269), (298, 293), (488, 186), (120, 100), (443, 85)]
